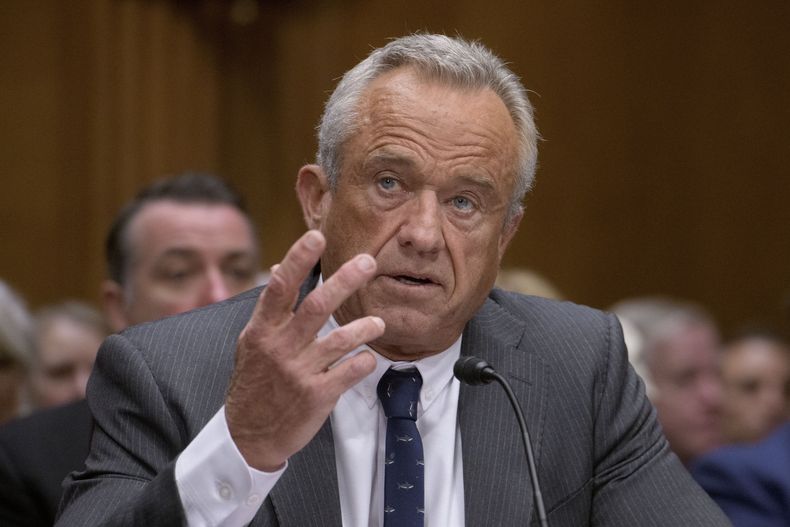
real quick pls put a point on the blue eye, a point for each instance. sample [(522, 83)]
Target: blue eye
[(388, 183), (462, 203)]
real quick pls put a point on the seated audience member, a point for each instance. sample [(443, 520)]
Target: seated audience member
[(181, 243), (755, 369), (66, 339), (328, 397), (526, 282), (674, 346), (16, 342), (751, 483)]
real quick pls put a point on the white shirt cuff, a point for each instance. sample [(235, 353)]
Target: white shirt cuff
[(216, 486)]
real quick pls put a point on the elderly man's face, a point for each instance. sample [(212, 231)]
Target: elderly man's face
[(425, 187), (688, 391), (183, 256)]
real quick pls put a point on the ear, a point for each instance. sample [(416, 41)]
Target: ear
[(508, 232), (114, 304), (312, 187)]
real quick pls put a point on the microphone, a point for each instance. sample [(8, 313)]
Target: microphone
[(475, 371)]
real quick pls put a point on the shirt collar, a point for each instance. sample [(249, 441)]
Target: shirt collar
[(436, 370)]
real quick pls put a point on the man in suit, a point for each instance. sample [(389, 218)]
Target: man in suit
[(265, 409), (181, 243), (751, 483)]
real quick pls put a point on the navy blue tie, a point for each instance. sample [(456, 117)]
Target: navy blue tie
[(399, 392)]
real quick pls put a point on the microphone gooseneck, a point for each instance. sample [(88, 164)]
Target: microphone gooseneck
[(476, 371)]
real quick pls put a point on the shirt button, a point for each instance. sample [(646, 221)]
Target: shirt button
[(225, 492), (253, 499)]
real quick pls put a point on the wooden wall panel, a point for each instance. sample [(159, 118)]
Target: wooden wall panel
[(663, 165), (105, 96)]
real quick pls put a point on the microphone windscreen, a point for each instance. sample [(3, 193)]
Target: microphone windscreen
[(472, 370)]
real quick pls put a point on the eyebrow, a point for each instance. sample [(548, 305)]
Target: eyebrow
[(476, 180), (177, 252), (382, 157)]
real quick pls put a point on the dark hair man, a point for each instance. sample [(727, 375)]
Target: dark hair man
[(181, 243), (328, 397)]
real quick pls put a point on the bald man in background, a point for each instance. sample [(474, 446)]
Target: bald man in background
[(181, 243)]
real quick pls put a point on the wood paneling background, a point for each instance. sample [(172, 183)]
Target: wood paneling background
[(664, 165)]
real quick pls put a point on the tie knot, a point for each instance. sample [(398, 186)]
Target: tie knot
[(399, 392)]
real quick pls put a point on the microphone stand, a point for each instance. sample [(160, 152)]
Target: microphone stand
[(522, 424), (472, 370)]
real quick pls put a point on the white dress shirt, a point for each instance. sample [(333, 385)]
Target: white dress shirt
[(218, 488)]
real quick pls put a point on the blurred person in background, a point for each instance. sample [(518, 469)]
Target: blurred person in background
[(527, 282), (66, 339), (16, 334), (181, 243), (755, 368), (674, 346)]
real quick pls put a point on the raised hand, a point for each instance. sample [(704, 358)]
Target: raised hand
[(282, 388)]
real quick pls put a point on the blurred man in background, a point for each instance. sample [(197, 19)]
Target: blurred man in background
[(755, 367), (674, 346), (181, 243)]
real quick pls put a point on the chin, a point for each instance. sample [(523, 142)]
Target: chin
[(410, 341)]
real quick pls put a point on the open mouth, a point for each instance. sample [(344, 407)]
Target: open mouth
[(413, 280)]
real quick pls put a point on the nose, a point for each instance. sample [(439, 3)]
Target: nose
[(216, 288), (421, 228)]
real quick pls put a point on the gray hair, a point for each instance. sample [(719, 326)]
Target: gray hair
[(649, 321), (16, 329), (453, 61)]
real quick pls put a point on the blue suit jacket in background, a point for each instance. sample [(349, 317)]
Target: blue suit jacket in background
[(751, 483)]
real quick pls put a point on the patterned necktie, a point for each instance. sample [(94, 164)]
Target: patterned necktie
[(399, 392)]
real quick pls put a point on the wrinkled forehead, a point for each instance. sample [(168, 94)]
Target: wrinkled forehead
[(442, 110)]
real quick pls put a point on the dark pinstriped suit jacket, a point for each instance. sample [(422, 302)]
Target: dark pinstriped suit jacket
[(600, 455)]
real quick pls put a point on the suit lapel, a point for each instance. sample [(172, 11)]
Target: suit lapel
[(497, 490)]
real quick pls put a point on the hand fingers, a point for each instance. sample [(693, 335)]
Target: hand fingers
[(326, 351), (280, 295), (346, 374), (324, 300)]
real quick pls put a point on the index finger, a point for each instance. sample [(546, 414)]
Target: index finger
[(279, 297), (324, 300)]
